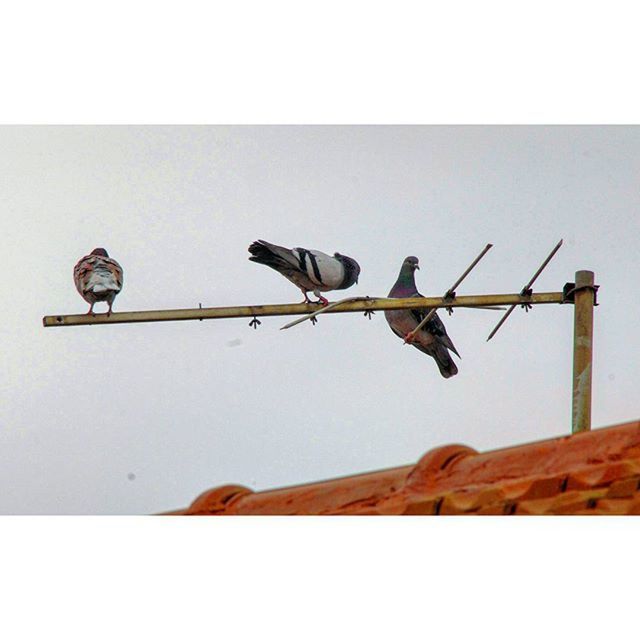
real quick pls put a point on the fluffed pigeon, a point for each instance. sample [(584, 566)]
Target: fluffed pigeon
[(308, 269), (432, 338), (98, 278)]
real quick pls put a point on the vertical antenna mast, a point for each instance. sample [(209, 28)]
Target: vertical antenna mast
[(584, 300)]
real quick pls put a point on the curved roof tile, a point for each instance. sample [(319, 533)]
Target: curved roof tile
[(596, 472)]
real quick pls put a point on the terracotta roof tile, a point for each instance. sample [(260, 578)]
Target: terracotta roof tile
[(626, 488), (597, 472), (421, 507)]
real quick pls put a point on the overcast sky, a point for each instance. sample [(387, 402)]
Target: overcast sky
[(142, 418)]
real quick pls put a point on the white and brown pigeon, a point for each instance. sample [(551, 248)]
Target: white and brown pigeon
[(98, 278), (432, 338), (308, 269)]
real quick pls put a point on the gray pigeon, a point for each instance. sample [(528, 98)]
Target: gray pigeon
[(432, 338), (308, 269)]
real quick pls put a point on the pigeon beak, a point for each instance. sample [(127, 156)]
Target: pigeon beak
[(417, 266)]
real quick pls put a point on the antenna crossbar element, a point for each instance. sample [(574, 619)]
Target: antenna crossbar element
[(451, 293), (312, 316), (360, 305), (526, 290)]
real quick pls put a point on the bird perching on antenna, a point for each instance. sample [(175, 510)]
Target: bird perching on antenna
[(410, 324), (308, 269), (450, 294), (425, 331), (98, 278)]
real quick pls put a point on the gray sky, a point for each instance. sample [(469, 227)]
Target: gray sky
[(188, 406)]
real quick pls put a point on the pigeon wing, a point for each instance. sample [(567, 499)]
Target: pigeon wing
[(320, 268), (115, 270), (93, 273), (434, 326)]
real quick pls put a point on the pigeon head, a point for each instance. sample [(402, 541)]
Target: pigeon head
[(406, 283), (411, 262), (351, 270), (100, 252)]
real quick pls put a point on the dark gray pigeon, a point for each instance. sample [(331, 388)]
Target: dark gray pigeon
[(432, 338), (308, 269)]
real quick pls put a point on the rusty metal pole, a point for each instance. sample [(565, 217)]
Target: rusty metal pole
[(584, 297)]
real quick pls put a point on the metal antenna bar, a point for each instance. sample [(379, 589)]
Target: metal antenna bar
[(450, 293), (468, 271), (502, 321), (542, 266), (363, 304), (525, 289), (311, 316)]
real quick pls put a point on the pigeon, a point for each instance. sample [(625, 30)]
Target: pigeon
[(98, 278), (432, 338), (308, 269)]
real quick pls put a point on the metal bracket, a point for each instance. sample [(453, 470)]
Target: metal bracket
[(569, 290), (369, 313), (449, 296), (255, 322), (527, 292)]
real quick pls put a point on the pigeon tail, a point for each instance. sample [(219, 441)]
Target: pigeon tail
[(265, 253), (100, 288), (444, 361)]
